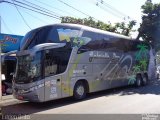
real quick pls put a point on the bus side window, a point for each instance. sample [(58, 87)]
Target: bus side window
[(50, 64), (63, 61)]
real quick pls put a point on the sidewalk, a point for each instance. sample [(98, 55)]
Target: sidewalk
[(8, 100)]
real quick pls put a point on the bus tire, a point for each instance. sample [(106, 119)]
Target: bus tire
[(158, 76), (138, 81), (80, 90), (145, 79)]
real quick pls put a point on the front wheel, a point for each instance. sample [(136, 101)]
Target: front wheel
[(79, 90)]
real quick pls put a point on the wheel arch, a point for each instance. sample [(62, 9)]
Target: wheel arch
[(139, 75)]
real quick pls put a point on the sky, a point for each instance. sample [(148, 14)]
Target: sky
[(13, 23)]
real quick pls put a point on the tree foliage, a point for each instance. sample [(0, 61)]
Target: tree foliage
[(121, 28), (125, 29), (150, 27)]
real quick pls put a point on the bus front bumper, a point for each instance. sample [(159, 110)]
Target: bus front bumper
[(31, 96)]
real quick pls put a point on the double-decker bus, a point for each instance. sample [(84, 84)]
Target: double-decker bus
[(62, 60)]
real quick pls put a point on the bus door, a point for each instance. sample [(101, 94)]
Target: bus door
[(52, 78), (52, 87)]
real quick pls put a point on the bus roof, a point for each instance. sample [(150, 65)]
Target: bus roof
[(91, 29), (83, 27), (57, 31)]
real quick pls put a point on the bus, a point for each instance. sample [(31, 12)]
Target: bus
[(63, 60)]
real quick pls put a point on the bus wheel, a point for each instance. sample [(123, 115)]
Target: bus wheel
[(79, 90), (145, 79), (138, 81), (158, 76)]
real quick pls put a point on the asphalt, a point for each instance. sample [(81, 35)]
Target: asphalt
[(126, 103)]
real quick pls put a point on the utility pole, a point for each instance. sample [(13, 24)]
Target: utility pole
[(0, 23), (0, 65)]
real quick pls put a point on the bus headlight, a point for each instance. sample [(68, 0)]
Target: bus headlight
[(36, 87), (24, 91), (33, 88)]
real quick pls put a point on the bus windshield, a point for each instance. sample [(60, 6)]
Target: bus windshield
[(35, 37), (49, 34), (29, 68)]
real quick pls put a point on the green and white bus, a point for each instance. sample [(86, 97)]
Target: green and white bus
[(63, 60)]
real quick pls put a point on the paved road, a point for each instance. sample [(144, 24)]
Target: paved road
[(126, 100)]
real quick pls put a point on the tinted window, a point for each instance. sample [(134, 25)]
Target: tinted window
[(92, 35), (56, 61), (49, 34), (44, 35)]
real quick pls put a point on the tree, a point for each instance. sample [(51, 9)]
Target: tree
[(124, 28), (121, 28), (150, 27)]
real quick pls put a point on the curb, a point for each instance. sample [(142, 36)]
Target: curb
[(8, 100)]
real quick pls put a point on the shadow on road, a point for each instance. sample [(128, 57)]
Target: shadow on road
[(31, 108), (152, 88)]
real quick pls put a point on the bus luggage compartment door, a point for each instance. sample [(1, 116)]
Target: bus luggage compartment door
[(52, 87)]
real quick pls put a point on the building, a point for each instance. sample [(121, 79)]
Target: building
[(9, 43)]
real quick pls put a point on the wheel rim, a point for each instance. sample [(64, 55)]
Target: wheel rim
[(144, 80), (138, 82), (80, 90)]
